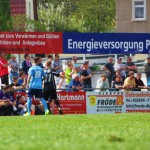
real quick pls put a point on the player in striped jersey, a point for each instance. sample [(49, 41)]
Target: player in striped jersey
[(50, 86)]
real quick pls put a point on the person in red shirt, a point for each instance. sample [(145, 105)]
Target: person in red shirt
[(3, 69)]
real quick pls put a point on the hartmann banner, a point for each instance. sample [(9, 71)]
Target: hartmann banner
[(106, 43)]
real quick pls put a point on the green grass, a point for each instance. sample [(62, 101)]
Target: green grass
[(76, 132)]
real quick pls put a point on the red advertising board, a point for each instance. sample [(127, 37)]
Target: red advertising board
[(72, 102), (31, 42), (35, 101)]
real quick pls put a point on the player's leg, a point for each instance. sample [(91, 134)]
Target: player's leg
[(54, 97), (29, 102), (39, 95)]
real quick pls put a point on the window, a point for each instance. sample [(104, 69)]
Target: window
[(139, 10)]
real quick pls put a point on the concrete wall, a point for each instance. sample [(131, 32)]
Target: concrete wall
[(124, 18)]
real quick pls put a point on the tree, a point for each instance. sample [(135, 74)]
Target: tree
[(76, 15), (5, 16)]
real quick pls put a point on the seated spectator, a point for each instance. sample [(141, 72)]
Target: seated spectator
[(129, 82), (118, 84), (75, 84), (7, 107), (16, 85), (139, 82), (21, 105), (118, 72), (102, 83)]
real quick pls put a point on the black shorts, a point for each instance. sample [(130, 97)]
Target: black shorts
[(37, 92), (50, 95)]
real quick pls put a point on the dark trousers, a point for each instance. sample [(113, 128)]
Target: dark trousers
[(4, 79)]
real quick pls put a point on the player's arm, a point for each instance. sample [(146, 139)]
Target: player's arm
[(28, 81)]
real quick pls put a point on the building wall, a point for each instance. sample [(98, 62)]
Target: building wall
[(124, 18)]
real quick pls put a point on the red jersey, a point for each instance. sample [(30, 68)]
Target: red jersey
[(3, 70)]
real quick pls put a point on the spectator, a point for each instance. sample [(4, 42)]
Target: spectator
[(109, 67), (130, 66), (21, 105), (3, 69), (69, 72), (22, 80), (75, 84), (14, 67), (86, 77), (139, 82), (57, 64), (8, 104), (118, 84), (147, 70), (129, 82), (62, 82), (40, 63), (57, 67), (118, 72), (50, 58), (102, 83), (121, 67), (74, 62), (26, 64)]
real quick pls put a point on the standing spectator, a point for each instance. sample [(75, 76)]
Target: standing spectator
[(3, 68), (40, 63), (50, 58), (130, 66), (109, 67), (69, 72), (118, 84), (14, 67), (75, 84), (86, 76), (121, 67), (102, 83), (57, 64), (139, 82), (147, 70), (57, 67), (74, 62), (26, 64), (129, 82)]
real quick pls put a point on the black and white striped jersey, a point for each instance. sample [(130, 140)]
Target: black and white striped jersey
[(49, 81)]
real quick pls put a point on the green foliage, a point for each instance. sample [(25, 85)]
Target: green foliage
[(76, 15), (5, 17), (76, 132)]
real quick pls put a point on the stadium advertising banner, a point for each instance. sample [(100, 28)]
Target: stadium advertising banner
[(72, 102), (105, 103), (31, 42), (137, 101), (106, 43)]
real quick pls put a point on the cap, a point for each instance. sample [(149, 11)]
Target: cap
[(119, 58), (85, 62)]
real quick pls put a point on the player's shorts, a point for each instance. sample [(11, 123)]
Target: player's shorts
[(35, 92), (50, 95)]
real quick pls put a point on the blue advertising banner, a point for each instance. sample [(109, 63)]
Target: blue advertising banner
[(106, 43)]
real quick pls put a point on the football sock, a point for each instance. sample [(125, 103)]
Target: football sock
[(29, 103), (44, 104)]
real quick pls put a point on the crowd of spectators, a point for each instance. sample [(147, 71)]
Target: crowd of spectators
[(118, 76)]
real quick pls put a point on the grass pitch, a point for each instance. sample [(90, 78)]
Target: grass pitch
[(76, 132)]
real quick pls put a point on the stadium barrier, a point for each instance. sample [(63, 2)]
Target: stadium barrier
[(104, 102)]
